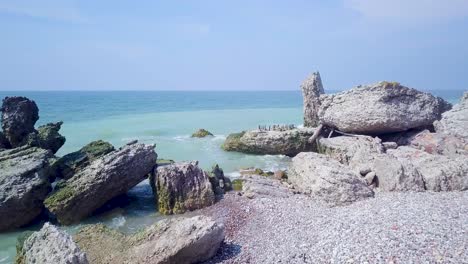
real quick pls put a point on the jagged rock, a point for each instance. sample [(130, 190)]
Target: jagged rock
[(380, 108), (438, 143), (71, 163), (24, 184), (312, 88), (288, 142), (50, 245), (105, 178), (202, 133), (47, 137), (356, 151), (219, 182), (175, 240), (182, 187), (19, 114), (396, 175), (455, 121), (327, 179), (440, 173)]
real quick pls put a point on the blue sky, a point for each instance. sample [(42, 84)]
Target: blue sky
[(231, 45)]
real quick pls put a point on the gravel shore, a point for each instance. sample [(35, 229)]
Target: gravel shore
[(421, 227)]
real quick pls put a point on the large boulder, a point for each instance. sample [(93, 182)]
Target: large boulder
[(71, 163), (455, 121), (175, 240), (327, 179), (105, 178), (440, 173), (24, 184), (50, 245), (47, 137), (438, 143), (182, 187), (19, 114), (312, 88), (380, 108), (273, 142)]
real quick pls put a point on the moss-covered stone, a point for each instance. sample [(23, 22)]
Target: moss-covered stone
[(164, 162), (202, 133), (387, 85), (233, 142), (61, 193), (256, 171), (237, 184)]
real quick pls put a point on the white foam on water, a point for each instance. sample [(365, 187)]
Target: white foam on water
[(118, 221)]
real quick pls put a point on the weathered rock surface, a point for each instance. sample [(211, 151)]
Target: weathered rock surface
[(438, 143), (182, 187), (261, 186), (327, 179), (175, 240), (220, 183), (50, 245), (288, 142), (4, 144), (356, 151), (105, 178), (71, 163), (380, 108), (455, 121), (19, 114), (440, 173), (47, 137), (24, 184), (312, 88), (200, 133)]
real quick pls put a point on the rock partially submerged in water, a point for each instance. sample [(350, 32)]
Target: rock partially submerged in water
[(24, 184), (312, 88), (455, 121), (327, 179), (201, 133), (175, 240), (182, 187), (50, 245), (71, 163), (19, 114), (288, 142), (380, 108), (47, 137), (105, 178)]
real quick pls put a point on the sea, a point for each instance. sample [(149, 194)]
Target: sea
[(167, 119)]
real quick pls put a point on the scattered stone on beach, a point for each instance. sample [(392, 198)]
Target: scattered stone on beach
[(19, 114), (380, 108), (254, 185), (327, 179), (47, 137), (50, 245), (71, 163), (24, 184), (220, 183), (312, 88), (182, 187), (440, 173), (105, 178), (455, 121), (289, 142), (176, 240), (201, 133)]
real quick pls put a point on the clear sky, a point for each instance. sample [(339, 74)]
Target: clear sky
[(231, 45)]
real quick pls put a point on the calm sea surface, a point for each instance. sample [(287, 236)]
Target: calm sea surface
[(166, 119)]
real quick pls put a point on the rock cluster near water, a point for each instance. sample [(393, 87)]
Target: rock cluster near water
[(201, 133), (273, 142), (175, 240)]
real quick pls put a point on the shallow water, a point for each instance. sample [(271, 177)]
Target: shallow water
[(166, 119)]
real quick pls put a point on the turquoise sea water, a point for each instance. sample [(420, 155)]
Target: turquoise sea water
[(166, 119)]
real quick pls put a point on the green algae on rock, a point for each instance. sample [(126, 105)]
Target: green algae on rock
[(202, 133)]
